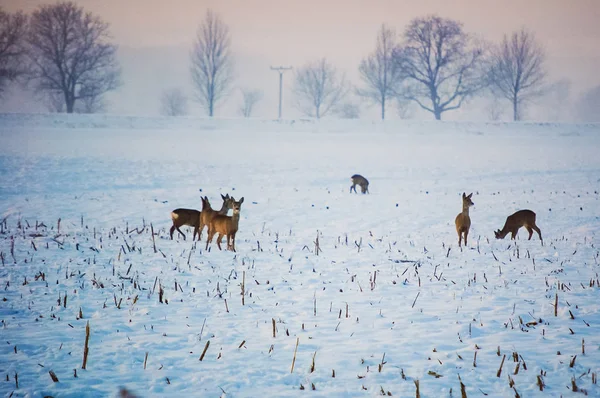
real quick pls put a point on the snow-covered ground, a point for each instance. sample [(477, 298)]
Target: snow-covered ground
[(389, 300)]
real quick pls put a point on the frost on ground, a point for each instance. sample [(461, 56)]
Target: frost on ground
[(344, 294)]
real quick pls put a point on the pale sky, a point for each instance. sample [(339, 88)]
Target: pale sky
[(292, 32)]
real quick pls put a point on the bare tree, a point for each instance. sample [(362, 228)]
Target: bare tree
[(379, 72), (442, 64), (13, 28), (91, 101), (557, 102), (348, 110), (588, 105), (517, 70), (318, 88), (212, 65), (173, 102), (249, 100), (493, 108), (403, 107), (69, 51)]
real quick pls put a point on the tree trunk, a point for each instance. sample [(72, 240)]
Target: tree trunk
[(383, 107), (210, 107), (515, 109)]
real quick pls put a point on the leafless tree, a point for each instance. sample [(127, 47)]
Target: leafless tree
[(517, 70), (249, 100), (379, 72), (588, 105), (212, 65), (13, 28), (318, 88), (557, 101), (442, 64), (403, 107), (173, 102), (91, 101), (348, 110), (70, 52), (493, 108)]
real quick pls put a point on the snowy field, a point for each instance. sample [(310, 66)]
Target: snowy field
[(329, 294)]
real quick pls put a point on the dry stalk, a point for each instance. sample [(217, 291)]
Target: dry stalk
[(86, 345), (500, 368), (204, 351), (145, 360), (295, 351)]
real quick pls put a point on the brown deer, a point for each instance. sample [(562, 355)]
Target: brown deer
[(191, 217), (522, 218), (225, 225), (462, 220), (361, 181), (183, 217), (208, 213)]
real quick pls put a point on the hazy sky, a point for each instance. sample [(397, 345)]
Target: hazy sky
[(282, 32)]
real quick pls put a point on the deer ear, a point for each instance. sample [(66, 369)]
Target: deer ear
[(469, 197), (242, 200), (464, 196), (223, 197)]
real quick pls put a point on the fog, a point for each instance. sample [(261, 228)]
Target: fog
[(155, 38)]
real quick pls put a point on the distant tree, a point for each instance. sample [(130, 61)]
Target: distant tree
[(212, 65), (91, 101), (557, 101), (13, 28), (348, 110), (173, 102), (403, 107), (318, 88), (249, 100), (588, 105), (69, 52), (493, 108), (379, 72), (517, 71), (442, 64)]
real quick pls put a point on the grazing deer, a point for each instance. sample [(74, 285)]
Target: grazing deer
[(208, 213), (225, 225), (522, 218), (361, 181), (462, 220)]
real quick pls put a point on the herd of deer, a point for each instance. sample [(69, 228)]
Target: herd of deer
[(219, 222)]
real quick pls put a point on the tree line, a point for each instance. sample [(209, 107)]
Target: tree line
[(66, 55)]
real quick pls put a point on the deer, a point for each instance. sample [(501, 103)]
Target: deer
[(522, 218), (191, 217), (183, 217), (361, 181), (225, 225), (208, 213), (462, 220)]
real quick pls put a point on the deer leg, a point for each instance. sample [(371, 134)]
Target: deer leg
[(466, 233), (513, 235), (353, 187), (232, 241), (181, 233), (459, 237), (530, 230), (219, 240), (538, 232), (171, 231), (209, 238)]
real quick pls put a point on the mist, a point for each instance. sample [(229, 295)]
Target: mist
[(155, 39)]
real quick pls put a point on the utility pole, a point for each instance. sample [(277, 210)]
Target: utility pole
[(280, 69)]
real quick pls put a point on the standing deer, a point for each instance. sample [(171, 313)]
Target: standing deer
[(361, 181), (225, 225), (183, 217), (522, 218), (191, 217), (208, 213), (462, 220)]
